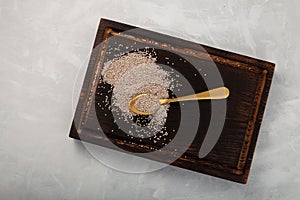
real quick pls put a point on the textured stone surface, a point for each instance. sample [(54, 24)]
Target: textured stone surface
[(44, 49)]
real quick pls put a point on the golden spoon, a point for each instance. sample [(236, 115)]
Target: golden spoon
[(217, 93)]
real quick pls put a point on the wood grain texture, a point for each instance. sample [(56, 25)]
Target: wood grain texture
[(249, 79)]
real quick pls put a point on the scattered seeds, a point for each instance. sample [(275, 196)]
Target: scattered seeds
[(133, 74)]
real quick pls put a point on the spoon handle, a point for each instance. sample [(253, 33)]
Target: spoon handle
[(217, 93)]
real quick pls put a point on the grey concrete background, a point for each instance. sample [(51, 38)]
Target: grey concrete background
[(43, 46)]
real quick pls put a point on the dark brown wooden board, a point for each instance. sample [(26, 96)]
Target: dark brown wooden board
[(249, 80)]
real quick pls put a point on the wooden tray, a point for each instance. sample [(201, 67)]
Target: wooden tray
[(249, 80)]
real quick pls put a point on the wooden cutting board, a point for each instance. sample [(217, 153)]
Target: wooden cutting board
[(249, 80)]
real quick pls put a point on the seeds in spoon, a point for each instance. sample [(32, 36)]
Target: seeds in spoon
[(148, 103)]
